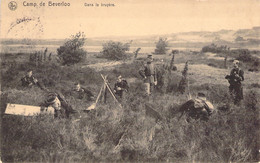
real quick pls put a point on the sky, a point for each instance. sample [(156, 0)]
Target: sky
[(126, 18)]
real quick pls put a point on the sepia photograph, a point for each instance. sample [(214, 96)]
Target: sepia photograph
[(130, 81)]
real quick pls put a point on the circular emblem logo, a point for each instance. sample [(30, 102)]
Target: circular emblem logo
[(12, 5)]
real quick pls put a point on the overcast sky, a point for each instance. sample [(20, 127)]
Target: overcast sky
[(127, 18)]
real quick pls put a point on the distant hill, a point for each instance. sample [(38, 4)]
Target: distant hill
[(233, 38)]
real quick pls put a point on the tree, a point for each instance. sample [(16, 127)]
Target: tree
[(72, 52), (115, 50), (161, 46)]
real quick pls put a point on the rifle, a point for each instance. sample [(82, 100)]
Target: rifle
[(108, 87)]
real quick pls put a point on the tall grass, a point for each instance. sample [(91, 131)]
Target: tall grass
[(110, 133)]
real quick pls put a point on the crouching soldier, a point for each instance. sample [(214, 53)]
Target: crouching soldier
[(121, 86), (235, 86), (198, 108), (149, 74), (61, 108), (29, 80), (81, 93)]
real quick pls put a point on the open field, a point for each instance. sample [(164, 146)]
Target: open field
[(130, 133)]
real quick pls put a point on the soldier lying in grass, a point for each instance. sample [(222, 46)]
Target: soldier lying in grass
[(29, 80), (198, 108), (61, 107), (81, 93)]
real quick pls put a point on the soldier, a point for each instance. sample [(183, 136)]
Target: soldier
[(60, 105), (235, 78), (198, 108), (149, 74), (82, 93), (29, 80), (121, 85)]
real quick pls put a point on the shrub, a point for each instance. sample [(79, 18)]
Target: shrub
[(213, 48), (245, 56), (161, 46), (72, 51), (115, 50)]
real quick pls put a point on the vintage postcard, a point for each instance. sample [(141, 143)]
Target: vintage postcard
[(130, 80)]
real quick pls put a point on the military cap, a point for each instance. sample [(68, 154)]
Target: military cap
[(51, 98), (76, 83), (201, 95), (149, 58), (236, 61), (29, 70)]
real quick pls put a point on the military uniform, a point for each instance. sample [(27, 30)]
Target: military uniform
[(235, 88), (198, 108), (82, 93), (149, 73), (60, 105), (29, 81), (120, 87)]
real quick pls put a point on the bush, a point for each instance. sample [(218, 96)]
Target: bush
[(115, 50), (72, 51), (244, 55), (213, 48), (161, 46)]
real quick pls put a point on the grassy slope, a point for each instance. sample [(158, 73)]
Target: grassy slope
[(111, 133)]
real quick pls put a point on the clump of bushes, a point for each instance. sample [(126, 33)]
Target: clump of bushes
[(245, 56), (161, 46), (115, 50), (213, 48), (72, 51)]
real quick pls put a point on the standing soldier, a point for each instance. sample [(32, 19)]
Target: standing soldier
[(29, 80), (149, 74), (235, 78), (121, 85)]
